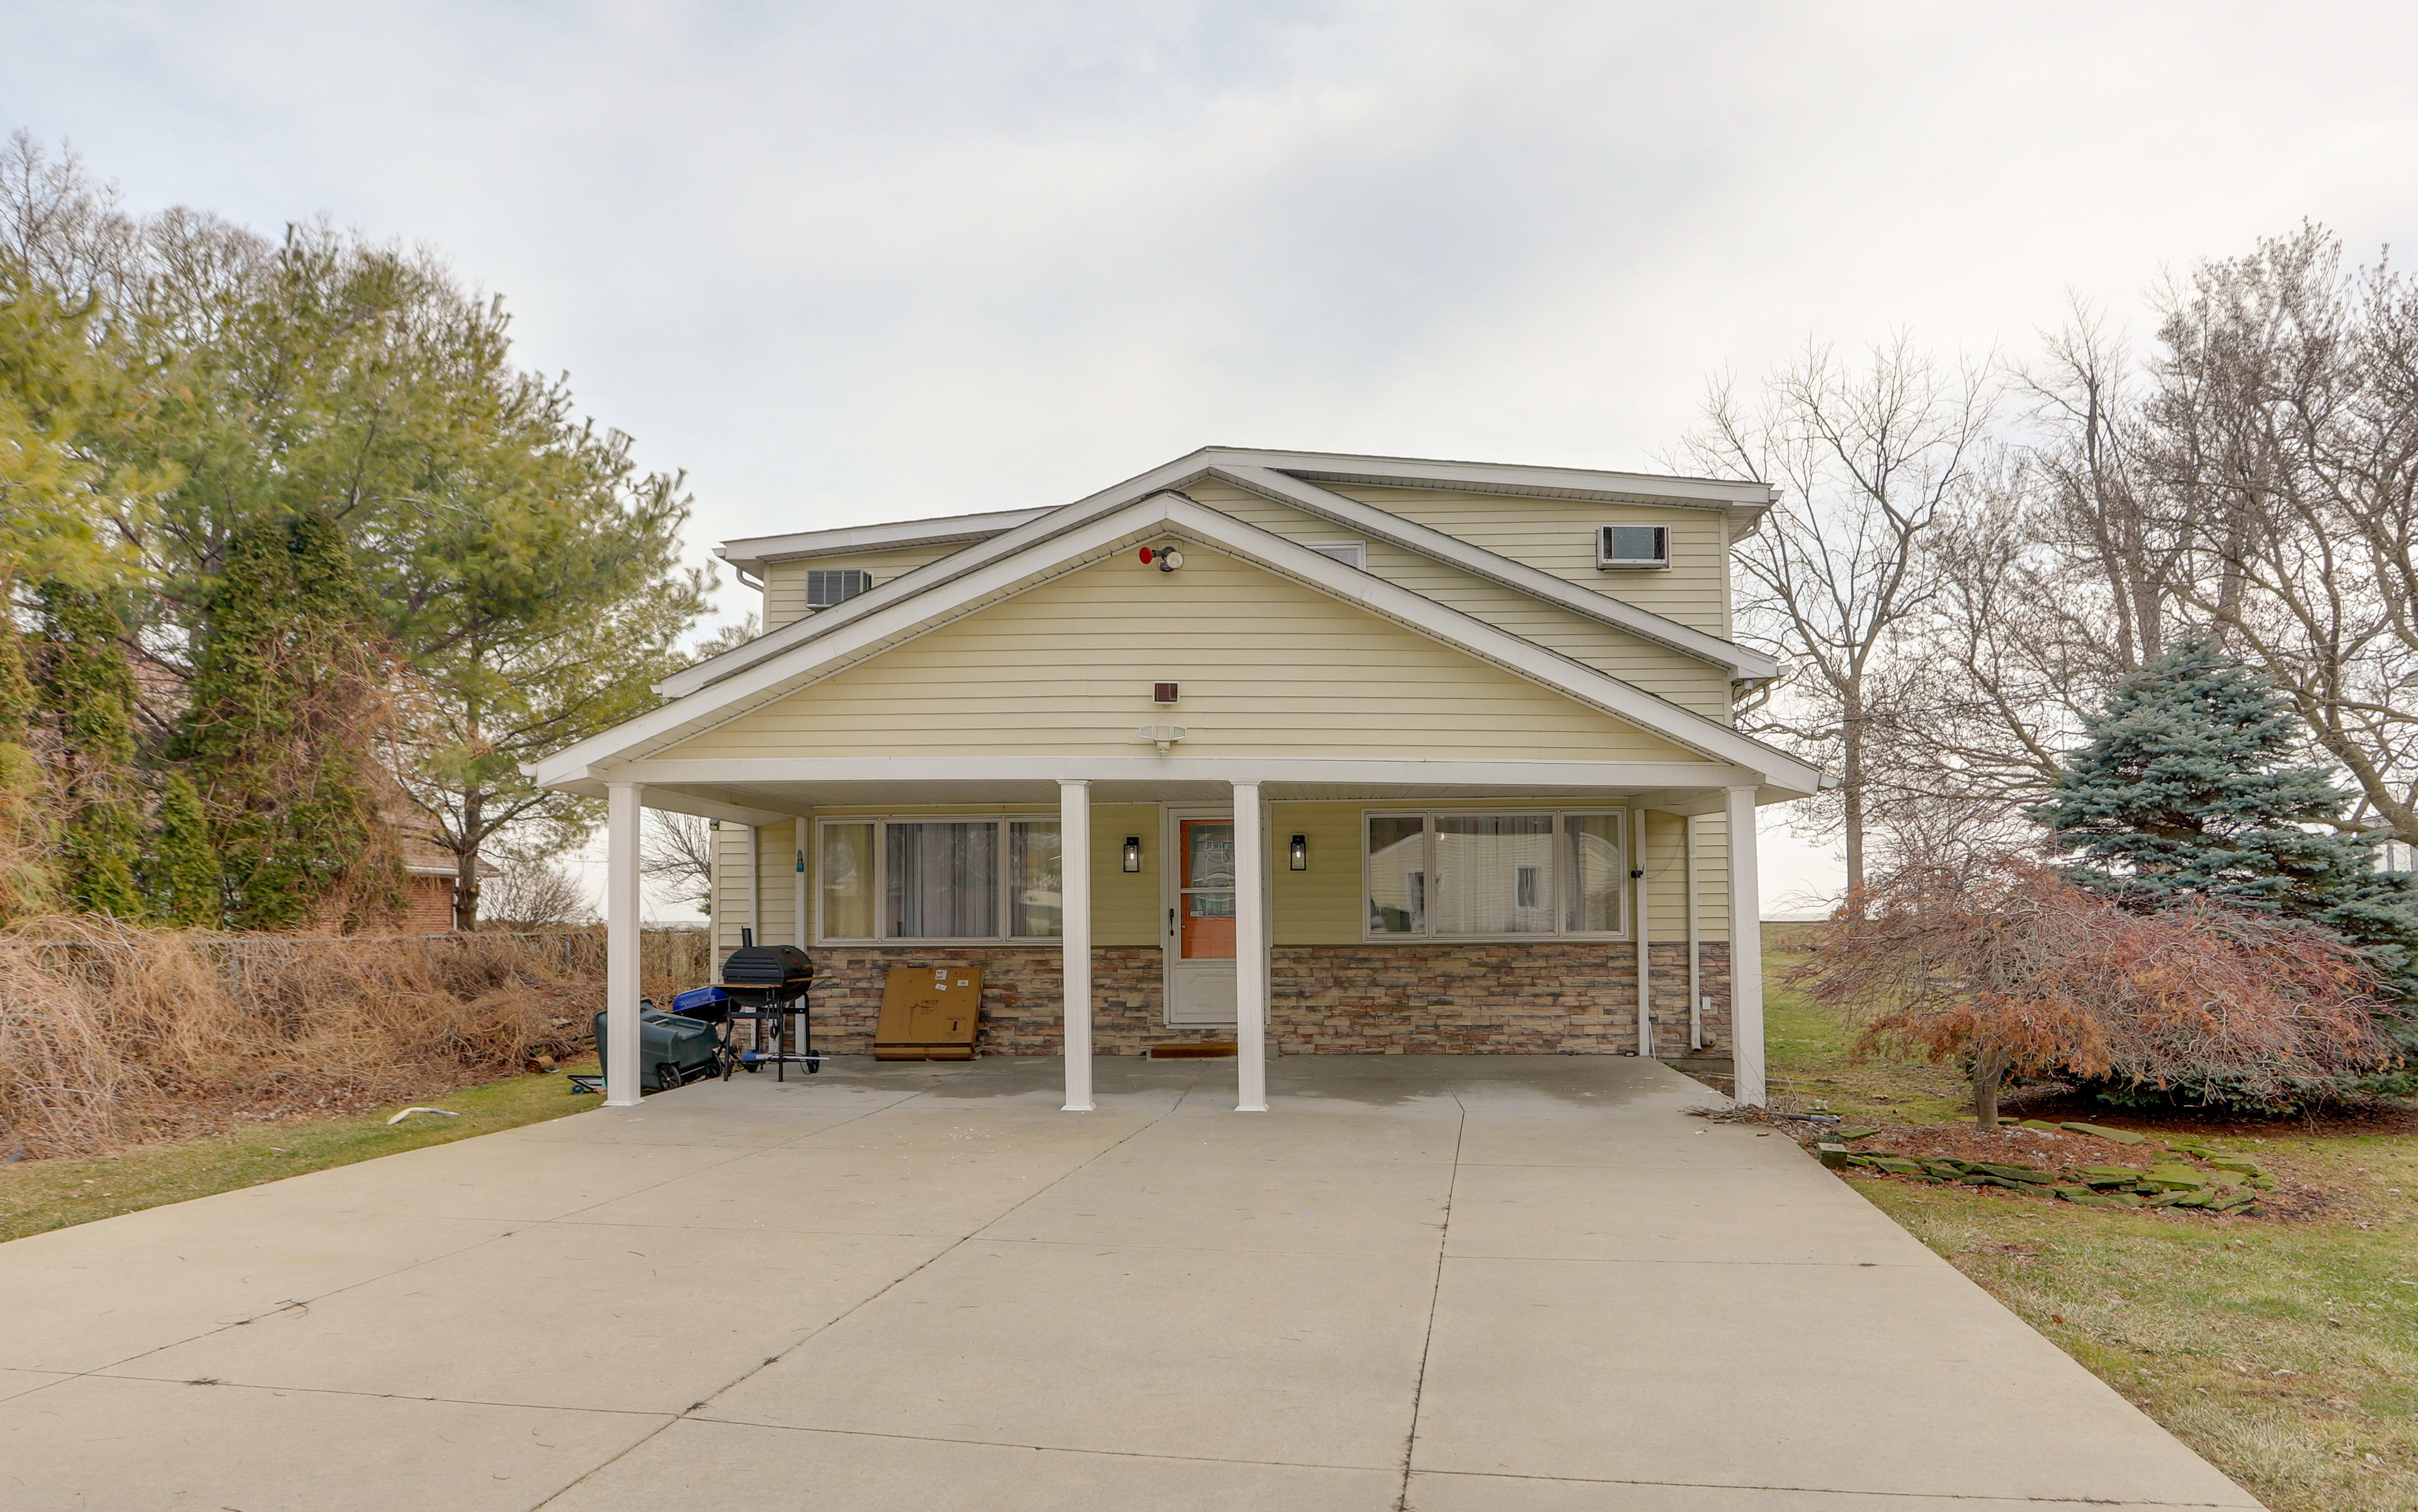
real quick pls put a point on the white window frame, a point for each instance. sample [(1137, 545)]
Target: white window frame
[(1006, 877), (1554, 872), (865, 585), (1606, 562), (1350, 553)]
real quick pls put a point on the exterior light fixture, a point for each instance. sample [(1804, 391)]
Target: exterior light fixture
[(1299, 854), (1167, 559), (802, 861), (1164, 736), (714, 824), (1133, 853)]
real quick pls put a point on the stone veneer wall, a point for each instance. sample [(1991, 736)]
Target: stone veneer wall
[(1542, 998)]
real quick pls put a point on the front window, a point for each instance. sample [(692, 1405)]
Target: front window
[(940, 879), (1494, 876)]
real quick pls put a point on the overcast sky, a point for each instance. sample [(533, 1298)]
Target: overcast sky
[(859, 262)]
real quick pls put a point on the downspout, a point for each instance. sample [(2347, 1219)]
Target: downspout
[(756, 883), (1695, 949)]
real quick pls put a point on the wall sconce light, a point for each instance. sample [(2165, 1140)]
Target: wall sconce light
[(714, 824), (1133, 853), (1300, 853), (802, 862)]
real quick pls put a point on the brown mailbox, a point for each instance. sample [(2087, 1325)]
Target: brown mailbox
[(929, 1012)]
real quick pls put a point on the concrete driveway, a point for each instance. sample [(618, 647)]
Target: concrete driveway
[(1518, 1283)]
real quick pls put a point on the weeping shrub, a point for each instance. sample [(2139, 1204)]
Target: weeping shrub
[(2007, 968)]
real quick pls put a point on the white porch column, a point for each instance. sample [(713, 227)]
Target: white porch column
[(1250, 953), (621, 903), (1645, 942), (1075, 936), (1746, 951)]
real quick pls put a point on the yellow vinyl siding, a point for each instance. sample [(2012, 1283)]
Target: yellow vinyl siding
[(785, 583), (1557, 536), (776, 879), (1690, 683), (1712, 877), (1267, 667), (730, 885), (1323, 905)]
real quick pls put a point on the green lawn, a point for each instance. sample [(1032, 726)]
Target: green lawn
[(40, 1195), (2286, 1353)]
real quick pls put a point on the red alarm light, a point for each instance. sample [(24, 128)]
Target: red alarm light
[(1146, 556)]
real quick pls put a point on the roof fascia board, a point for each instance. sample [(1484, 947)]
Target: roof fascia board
[(751, 553), (1505, 478), (733, 695), (1661, 777), (1477, 561)]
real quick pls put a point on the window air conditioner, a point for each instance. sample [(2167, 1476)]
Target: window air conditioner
[(1632, 546)]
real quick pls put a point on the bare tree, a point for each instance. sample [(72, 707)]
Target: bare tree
[(536, 895), (676, 853), (2055, 579), (2283, 430), (1873, 457)]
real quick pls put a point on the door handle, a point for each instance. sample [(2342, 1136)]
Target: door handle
[(1170, 920)]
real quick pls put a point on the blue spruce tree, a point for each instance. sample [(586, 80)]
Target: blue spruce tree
[(2187, 786)]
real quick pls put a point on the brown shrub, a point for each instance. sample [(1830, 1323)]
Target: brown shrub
[(111, 1035), (2008, 968)]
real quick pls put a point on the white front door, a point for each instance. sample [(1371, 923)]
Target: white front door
[(1197, 887)]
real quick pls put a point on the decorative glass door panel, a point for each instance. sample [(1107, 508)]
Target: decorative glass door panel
[(1206, 891)]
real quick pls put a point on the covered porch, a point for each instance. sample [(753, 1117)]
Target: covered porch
[(1290, 906)]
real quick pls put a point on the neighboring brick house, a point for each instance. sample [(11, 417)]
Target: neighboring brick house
[(428, 907)]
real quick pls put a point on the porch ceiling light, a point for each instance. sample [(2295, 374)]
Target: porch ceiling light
[(1164, 736), (1298, 855), (1133, 853)]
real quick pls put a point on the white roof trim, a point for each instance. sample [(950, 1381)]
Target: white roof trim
[(1503, 478), (1479, 563), (750, 554), (1040, 525), (1007, 564)]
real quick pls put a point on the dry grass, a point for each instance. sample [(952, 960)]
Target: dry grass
[(111, 1035)]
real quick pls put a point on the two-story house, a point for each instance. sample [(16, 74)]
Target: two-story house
[(1311, 753)]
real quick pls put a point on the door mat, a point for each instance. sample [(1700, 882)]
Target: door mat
[(1190, 1052)]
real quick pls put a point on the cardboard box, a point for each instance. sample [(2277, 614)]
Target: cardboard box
[(929, 1012)]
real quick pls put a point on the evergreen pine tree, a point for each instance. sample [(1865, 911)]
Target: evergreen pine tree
[(85, 694), (277, 731), (27, 884), (181, 875), (2186, 786)]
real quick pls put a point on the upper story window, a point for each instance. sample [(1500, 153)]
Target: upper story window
[(1350, 553), (1632, 546), (826, 587), (1494, 876), (2393, 856)]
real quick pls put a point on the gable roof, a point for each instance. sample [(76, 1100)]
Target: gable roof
[(1290, 477), (823, 644)]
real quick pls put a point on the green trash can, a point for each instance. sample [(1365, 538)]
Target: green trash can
[(671, 1049)]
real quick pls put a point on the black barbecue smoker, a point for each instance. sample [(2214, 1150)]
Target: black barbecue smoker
[(771, 984)]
